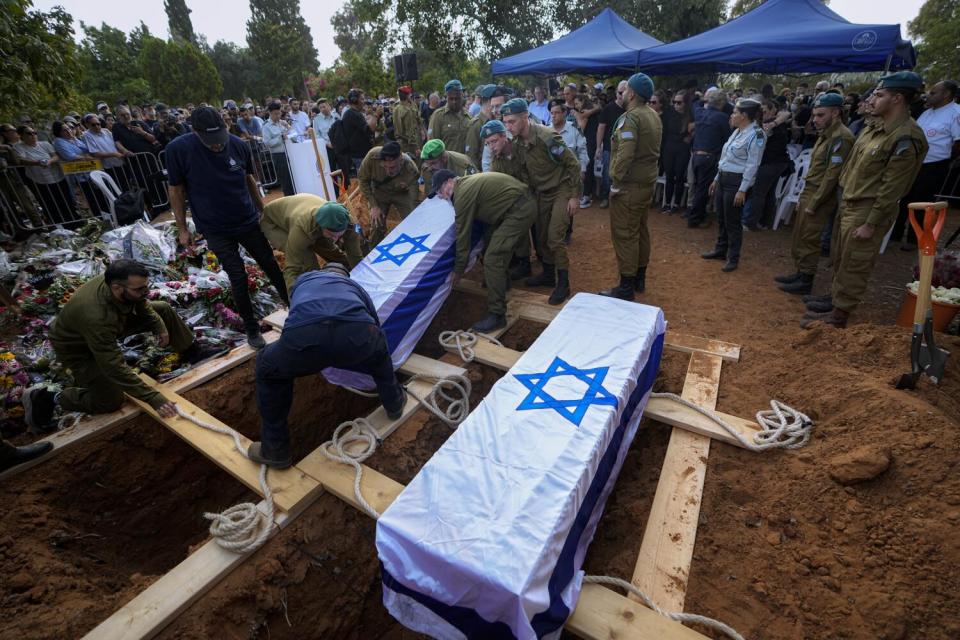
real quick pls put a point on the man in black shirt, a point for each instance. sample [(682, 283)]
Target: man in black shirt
[(355, 129), (131, 133), (608, 118)]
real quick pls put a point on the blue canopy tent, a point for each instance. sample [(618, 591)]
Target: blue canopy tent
[(784, 36), (606, 45)]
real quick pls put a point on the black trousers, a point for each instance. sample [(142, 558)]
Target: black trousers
[(307, 350), (924, 189), (730, 234), (676, 157), (283, 173), (227, 250), (704, 171), (763, 197)]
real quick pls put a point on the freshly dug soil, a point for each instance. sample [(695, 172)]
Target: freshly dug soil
[(852, 537)]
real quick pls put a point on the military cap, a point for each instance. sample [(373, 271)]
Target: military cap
[(432, 149), (901, 80), (390, 150), (453, 85), (487, 91), (333, 216), (490, 128), (406, 89), (514, 107), (829, 100), (439, 178), (641, 84)]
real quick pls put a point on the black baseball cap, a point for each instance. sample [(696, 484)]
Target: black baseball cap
[(390, 150), (208, 124)]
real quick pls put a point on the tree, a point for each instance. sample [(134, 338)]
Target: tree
[(361, 25), (280, 40), (184, 74), (38, 61), (178, 21), (239, 70), (111, 69), (666, 21), (937, 32)]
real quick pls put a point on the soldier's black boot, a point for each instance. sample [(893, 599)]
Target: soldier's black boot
[(562, 290), (521, 269), (811, 298), (640, 282), (801, 286), (820, 306), (793, 277), (546, 278), (623, 291), (490, 322)]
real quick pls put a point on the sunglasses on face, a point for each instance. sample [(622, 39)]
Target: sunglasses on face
[(29, 133), (678, 102)]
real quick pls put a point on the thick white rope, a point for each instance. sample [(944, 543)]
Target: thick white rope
[(69, 420), (781, 426), (243, 527), (464, 342), (358, 430), (454, 390), (710, 623)]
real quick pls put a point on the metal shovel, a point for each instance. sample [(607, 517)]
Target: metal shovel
[(925, 358)]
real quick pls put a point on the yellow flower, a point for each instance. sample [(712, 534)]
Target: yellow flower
[(6, 355), (6, 382)]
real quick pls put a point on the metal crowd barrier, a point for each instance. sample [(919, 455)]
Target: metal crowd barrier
[(27, 206)]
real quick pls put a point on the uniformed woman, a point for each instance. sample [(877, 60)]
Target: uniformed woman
[(736, 173)]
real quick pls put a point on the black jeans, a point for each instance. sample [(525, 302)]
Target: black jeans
[(307, 350), (676, 157), (283, 173), (227, 250), (730, 234), (763, 194), (704, 171), (929, 181)]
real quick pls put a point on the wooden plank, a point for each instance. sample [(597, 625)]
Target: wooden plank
[(666, 552), (289, 486), (95, 426), (337, 478), (695, 344), (492, 354), (604, 614), (673, 413)]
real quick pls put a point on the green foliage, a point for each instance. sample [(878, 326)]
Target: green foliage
[(364, 70), (740, 7), (280, 40), (38, 60), (239, 70), (178, 21), (937, 31), (111, 67), (361, 25), (186, 75), (668, 21)]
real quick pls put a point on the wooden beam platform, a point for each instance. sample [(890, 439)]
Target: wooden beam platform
[(666, 552), (95, 426)]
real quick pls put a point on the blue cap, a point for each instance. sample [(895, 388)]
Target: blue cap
[(641, 84), (490, 128), (901, 80), (453, 85), (487, 91), (514, 107), (828, 100)]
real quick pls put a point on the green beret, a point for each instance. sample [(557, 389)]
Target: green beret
[(514, 107), (829, 100), (453, 85), (432, 149), (333, 216), (641, 84), (490, 128), (901, 80)]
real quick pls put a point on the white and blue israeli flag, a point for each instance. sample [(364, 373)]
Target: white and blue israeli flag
[(408, 276), (488, 539)]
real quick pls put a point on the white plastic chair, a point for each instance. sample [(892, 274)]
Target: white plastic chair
[(792, 189), (110, 191), (886, 238), (660, 190)]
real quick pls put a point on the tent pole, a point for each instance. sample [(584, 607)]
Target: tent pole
[(886, 66)]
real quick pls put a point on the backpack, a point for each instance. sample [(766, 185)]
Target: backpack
[(338, 138), (129, 206)]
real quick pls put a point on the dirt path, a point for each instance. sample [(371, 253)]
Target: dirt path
[(784, 551)]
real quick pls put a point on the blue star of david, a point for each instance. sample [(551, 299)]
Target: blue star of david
[(572, 410), (416, 246)]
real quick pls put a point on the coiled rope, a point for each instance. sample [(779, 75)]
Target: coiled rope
[(710, 623), (349, 432), (781, 426), (243, 527), (464, 342)]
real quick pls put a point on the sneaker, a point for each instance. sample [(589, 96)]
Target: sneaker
[(585, 202), (255, 340), (38, 407), (604, 203), (255, 454)]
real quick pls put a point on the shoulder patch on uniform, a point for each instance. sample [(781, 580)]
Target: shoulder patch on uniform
[(429, 131), (760, 138), (470, 171), (903, 145), (557, 149), (836, 160), (626, 135), (836, 145)]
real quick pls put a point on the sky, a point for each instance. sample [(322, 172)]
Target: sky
[(228, 20)]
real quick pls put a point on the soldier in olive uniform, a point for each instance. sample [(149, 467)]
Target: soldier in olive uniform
[(492, 98), (507, 210), (819, 198), (883, 164), (450, 122), (305, 226), (406, 124), (552, 172), (388, 177), (634, 153), (498, 147), (436, 157), (85, 337)]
